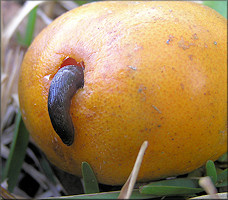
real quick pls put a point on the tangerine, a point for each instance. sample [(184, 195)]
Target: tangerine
[(154, 71)]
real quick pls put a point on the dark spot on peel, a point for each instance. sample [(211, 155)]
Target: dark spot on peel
[(195, 37), (190, 57)]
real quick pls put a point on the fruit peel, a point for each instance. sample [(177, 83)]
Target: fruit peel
[(154, 71)]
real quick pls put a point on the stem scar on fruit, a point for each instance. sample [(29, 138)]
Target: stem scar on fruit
[(64, 85)]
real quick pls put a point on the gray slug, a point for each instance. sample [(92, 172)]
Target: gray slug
[(64, 85)]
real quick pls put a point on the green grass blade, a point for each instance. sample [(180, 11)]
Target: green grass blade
[(81, 2), (211, 171), (223, 158), (47, 170), (106, 195), (27, 40), (89, 179), (222, 179), (219, 6), (182, 186), (17, 153), (30, 26)]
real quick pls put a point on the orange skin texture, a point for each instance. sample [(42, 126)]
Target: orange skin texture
[(154, 71)]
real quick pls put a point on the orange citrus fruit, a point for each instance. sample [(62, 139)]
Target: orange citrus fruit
[(154, 71)]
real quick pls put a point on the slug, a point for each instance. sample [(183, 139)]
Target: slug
[(64, 85)]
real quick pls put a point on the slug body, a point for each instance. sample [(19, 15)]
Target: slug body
[(64, 85)]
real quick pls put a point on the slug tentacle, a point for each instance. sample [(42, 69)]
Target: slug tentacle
[(64, 85)]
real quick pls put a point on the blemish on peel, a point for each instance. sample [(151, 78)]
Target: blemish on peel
[(23, 111), (215, 43), (132, 67), (156, 109), (137, 47), (163, 69), (176, 20), (190, 57), (170, 39), (47, 77), (184, 44), (195, 37)]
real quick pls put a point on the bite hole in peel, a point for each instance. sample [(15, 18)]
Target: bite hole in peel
[(71, 61)]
